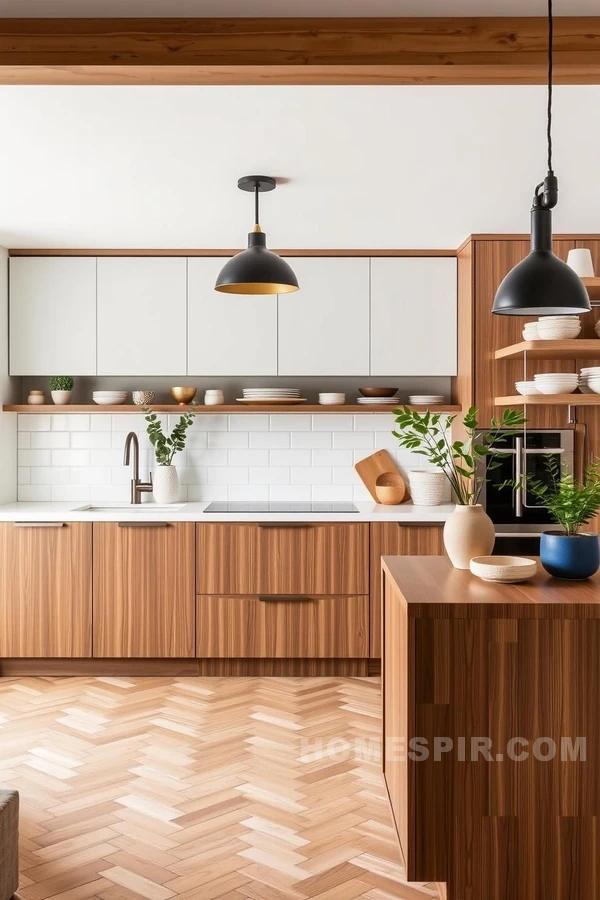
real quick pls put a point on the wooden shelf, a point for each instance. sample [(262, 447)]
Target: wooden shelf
[(549, 400), (212, 410), (575, 349), (593, 287)]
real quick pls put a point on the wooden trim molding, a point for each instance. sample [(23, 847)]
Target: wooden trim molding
[(190, 667), (484, 50), (20, 251)]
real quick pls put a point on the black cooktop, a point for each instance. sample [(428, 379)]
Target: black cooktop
[(279, 507)]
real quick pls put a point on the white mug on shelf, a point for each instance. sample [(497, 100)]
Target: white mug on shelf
[(580, 261)]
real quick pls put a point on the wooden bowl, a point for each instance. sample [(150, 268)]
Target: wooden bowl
[(390, 488), (377, 391), (183, 395), (503, 569)]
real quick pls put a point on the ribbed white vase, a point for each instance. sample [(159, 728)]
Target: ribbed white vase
[(166, 485)]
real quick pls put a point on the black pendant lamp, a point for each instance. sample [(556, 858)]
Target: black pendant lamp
[(543, 285), (256, 270)]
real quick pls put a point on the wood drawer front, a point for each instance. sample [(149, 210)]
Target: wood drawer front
[(144, 600), (283, 558), (45, 590), (272, 627)]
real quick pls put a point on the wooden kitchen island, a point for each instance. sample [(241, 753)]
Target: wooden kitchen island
[(481, 665)]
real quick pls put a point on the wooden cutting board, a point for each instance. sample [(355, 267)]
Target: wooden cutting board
[(372, 466)]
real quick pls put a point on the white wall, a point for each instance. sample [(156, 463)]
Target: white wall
[(387, 166), (8, 421)]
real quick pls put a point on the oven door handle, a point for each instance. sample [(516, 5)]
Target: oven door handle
[(518, 493), (544, 452)]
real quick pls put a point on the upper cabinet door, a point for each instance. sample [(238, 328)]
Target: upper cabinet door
[(413, 316), (228, 334), (324, 327), (142, 315), (52, 315)]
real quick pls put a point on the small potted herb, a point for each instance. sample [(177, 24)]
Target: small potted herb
[(568, 553), (468, 531), (61, 389), (166, 481)]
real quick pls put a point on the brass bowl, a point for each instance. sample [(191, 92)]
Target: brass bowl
[(183, 395)]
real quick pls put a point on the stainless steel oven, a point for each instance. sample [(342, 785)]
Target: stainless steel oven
[(518, 517)]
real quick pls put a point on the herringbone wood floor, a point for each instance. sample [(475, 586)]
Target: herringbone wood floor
[(199, 788)]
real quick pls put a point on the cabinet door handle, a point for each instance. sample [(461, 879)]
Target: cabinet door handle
[(38, 524), (285, 524), (279, 598), (143, 524)]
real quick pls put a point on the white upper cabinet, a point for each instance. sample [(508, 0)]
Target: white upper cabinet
[(324, 327), (52, 315), (413, 316), (142, 315), (228, 334)]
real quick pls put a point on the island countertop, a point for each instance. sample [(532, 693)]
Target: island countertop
[(501, 685)]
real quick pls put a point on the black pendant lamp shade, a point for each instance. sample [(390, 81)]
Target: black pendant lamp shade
[(543, 285), (256, 270)]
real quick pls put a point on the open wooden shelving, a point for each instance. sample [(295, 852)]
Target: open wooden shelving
[(576, 349), (593, 287), (549, 400), (217, 410)]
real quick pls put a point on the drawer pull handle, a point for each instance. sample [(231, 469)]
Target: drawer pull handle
[(285, 524), (38, 524), (278, 598), (143, 524)]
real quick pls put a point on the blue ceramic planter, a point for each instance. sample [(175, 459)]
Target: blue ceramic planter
[(570, 557)]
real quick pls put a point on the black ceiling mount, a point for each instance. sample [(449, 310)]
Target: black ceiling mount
[(257, 183)]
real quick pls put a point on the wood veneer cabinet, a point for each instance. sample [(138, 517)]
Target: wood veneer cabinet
[(283, 627), (396, 539), (144, 589), (282, 558), (45, 590)]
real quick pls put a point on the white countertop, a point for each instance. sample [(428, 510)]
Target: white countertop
[(194, 512)]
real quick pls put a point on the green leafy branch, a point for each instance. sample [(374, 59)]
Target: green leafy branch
[(427, 434), (166, 446)]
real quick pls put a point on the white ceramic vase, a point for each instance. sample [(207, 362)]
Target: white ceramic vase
[(61, 398), (426, 488), (468, 532), (166, 485)]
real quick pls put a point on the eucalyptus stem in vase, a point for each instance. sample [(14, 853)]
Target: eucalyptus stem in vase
[(469, 531), (165, 446)]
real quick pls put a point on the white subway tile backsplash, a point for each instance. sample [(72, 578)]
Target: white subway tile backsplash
[(281, 457), (332, 422), (49, 439)]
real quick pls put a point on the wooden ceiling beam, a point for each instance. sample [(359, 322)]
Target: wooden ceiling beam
[(297, 51)]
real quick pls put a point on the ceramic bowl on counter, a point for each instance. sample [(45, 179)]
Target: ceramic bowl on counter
[(526, 388), (558, 328), (503, 569), (556, 382)]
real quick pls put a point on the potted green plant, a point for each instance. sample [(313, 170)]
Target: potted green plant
[(61, 389), (468, 531), (165, 446), (568, 553)]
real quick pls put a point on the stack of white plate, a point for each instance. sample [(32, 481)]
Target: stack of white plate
[(556, 382), (377, 401), (271, 395), (589, 380), (530, 331), (332, 399), (558, 328), (109, 398), (425, 399)]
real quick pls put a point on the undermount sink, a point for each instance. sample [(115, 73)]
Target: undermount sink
[(141, 508)]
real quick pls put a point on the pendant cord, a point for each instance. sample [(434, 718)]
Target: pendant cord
[(550, 72), (256, 222)]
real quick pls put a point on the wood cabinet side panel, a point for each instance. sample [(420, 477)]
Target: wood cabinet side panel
[(46, 591), (392, 539), (144, 591), (315, 628)]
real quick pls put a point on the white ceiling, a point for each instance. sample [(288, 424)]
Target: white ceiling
[(366, 166), (250, 8)]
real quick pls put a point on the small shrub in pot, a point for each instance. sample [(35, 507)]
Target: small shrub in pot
[(61, 389)]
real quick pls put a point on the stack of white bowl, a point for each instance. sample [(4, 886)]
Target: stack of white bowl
[(332, 398), (530, 331), (109, 398), (589, 380), (526, 388), (556, 382), (558, 328)]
